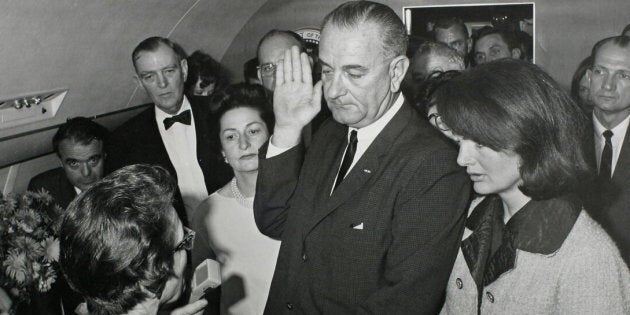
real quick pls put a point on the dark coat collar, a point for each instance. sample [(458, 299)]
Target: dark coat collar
[(539, 227)]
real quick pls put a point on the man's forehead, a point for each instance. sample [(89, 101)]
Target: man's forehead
[(491, 40), (71, 146), (612, 53), (449, 34), (163, 54), (350, 45), (274, 47)]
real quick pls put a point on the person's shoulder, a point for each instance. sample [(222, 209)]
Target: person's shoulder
[(136, 122), (46, 179), (588, 242)]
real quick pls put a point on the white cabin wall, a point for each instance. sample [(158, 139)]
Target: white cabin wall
[(86, 46)]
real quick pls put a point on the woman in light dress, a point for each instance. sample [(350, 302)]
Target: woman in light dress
[(224, 222)]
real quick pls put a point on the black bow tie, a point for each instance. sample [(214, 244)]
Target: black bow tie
[(183, 117)]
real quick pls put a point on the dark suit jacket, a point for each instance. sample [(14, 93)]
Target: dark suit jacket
[(56, 183), (406, 192), (609, 202), (138, 141)]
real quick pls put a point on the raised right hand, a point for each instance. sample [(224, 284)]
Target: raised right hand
[(295, 100)]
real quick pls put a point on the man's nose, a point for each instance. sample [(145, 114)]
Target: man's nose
[(609, 83), (86, 170), (162, 81), (336, 87)]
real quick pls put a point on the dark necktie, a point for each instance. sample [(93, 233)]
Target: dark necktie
[(183, 117), (605, 165), (351, 149)]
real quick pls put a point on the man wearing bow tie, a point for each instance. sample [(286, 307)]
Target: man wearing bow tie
[(174, 133)]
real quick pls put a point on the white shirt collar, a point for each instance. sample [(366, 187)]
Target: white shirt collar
[(370, 132)]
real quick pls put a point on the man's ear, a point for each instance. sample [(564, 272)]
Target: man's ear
[(184, 65), (397, 69), (516, 53), (259, 75)]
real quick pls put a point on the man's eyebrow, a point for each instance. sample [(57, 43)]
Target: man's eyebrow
[(345, 68), (354, 67)]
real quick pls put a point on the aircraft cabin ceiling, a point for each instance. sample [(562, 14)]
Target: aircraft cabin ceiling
[(84, 46)]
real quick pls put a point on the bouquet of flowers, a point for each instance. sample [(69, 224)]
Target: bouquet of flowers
[(29, 247)]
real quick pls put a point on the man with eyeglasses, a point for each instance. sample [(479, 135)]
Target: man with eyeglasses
[(270, 51), (371, 214), (123, 247)]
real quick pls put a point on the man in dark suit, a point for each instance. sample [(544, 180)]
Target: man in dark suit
[(609, 78), (79, 144), (174, 132), (371, 214)]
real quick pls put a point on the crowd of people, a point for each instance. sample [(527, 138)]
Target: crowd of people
[(381, 175)]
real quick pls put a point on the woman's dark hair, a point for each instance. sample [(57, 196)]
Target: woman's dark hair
[(117, 239), (202, 66), (513, 105), (236, 96), (423, 98)]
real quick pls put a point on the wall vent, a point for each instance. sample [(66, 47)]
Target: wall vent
[(29, 108)]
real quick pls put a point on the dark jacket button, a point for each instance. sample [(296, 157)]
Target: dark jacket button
[(290, 306), (459, 283)]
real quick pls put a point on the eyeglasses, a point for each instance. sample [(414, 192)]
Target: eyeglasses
[(436, 120), (187, 242), (267, 69)]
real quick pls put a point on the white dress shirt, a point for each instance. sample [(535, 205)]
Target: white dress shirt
[(180, 142), (619, 134), (365, 135)]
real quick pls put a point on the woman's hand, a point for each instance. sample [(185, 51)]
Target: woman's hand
[(191, 309)]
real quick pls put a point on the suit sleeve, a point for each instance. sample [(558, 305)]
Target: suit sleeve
[(277, 179), (427, 227)]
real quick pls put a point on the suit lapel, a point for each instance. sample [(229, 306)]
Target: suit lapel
[(622, 168), (366, 167)]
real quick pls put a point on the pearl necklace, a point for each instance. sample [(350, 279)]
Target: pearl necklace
[(237, 194)]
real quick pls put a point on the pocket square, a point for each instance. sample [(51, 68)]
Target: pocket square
[(358, 226)]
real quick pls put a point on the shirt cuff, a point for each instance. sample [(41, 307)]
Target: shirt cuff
[(272, 150)]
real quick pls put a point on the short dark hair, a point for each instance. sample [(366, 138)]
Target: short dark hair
[(282, 33), (510, 38), (117, 239), (513, 105), (425, 89), (249, 69), (202, 66), (152, 44), (236, 96), (586, 64), (447, 23), (353, 14), (620, 41), (626, 30), (81, 130)]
